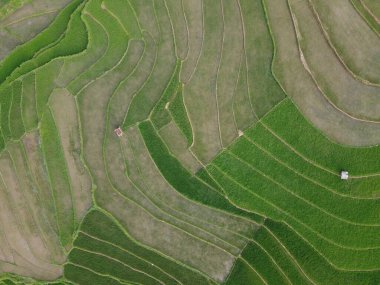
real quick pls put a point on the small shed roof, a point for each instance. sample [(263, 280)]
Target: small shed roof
[(118, 132), (344, 175)]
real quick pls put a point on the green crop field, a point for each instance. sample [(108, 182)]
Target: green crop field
[(186, 142)]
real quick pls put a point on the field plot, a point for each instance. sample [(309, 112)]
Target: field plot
[(189, 142)]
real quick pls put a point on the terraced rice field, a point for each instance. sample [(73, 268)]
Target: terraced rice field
[(189, 142)]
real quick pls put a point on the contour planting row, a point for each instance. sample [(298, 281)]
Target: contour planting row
[(268, 185), (329, 73), (352, 38), (106, 241), (370, 12), (294, 257), (137, 205), (289, 69), (48, 38)]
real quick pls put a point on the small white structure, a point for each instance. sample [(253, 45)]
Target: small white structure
[(344, 175), (118, 132)]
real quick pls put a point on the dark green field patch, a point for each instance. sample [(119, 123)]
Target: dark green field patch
[(26, 52), (6, 96), (181, 179), (243, 274), (83, 276), (73, 41), (178, 112)]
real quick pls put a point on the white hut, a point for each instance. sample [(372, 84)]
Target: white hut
[(344, 175)]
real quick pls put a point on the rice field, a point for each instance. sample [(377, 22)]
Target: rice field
[(189, 142)]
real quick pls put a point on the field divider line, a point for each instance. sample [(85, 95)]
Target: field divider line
[(30, 17), (73, 202), (178, 127), (81, 155), (311, 161), (246, 62), (287, 252), (297, 152), (146, 247), (121, 281), (29, 209), (185, 82), (187, 37), (187, 32), (173, 75), (273, 261), (117, 261), (192, 201), (369, 11), (136, 17), (10, 110), (5, 236), (21, 226), (172, 28), (101, 58), (95, 20), (312, 76), (155, 63), (300, 197), (170, 225), (327, 36), (321, 254), (161, 220), (236, 87), (129, 252), (291, 217), (268, 24), (83, 160), (21, 229), (88, 47), (371, 15), (141, 87), (21, 105), (179, 220), (160, 208), (43, 158), (230, 201), (273, 157), (214, 209), (104, 7), (51, 45), (34, 181), (191, 125), (255, 271), (217, 76), (33, 264)]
